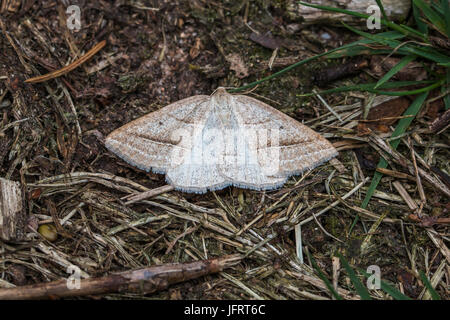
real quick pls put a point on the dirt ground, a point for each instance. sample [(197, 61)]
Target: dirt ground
[(158, 52)]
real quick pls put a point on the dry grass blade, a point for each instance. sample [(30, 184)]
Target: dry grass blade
[(70, 67), (107, 216)]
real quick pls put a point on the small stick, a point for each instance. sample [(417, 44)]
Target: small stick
[(440, 122), (405, 195), (386, 119), (13, 215), (395, 174), (423, 199), (146, 280), (148, 194), (327, 105), (336, 270), (70, 67)]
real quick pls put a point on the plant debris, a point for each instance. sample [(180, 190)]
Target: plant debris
[(111, 218)]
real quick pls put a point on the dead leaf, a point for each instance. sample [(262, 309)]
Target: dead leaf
[(408, 282), (383, 115), (237, 65), (440, 122), (195, 50), (366, 160), (265, 40), (329, 74), (36, 193)]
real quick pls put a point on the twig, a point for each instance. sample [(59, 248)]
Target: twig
[(440, 122), (144, 281), (423, 199), (336, 270), (405, 195), (148, 194), (395, 174), (327, 105)]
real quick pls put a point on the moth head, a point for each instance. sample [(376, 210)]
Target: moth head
[(221, 98), (220, 91)]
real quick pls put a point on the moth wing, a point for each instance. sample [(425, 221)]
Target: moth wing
[(152, 142), (284, 146)]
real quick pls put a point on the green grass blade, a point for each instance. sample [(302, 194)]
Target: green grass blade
[(428, 53), (358, 51), (422, 26), (434, 17), (399, 66), (403, 48), (419, 33), (369, 87), (374, 183), (401, 127), (390, 290), (438, 7), (393, 292), (446, 88), (392, 35), (333, 9), (324, 279), (433, 293), (385, 22), (409, 92), (359, 287), (446, 9), (361, 47), (380, 5)]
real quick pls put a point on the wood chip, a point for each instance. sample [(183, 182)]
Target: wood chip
[(12, 213)]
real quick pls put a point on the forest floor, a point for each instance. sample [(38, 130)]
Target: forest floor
[(52, 141)]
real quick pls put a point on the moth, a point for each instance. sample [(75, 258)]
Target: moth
[(204, 143)]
